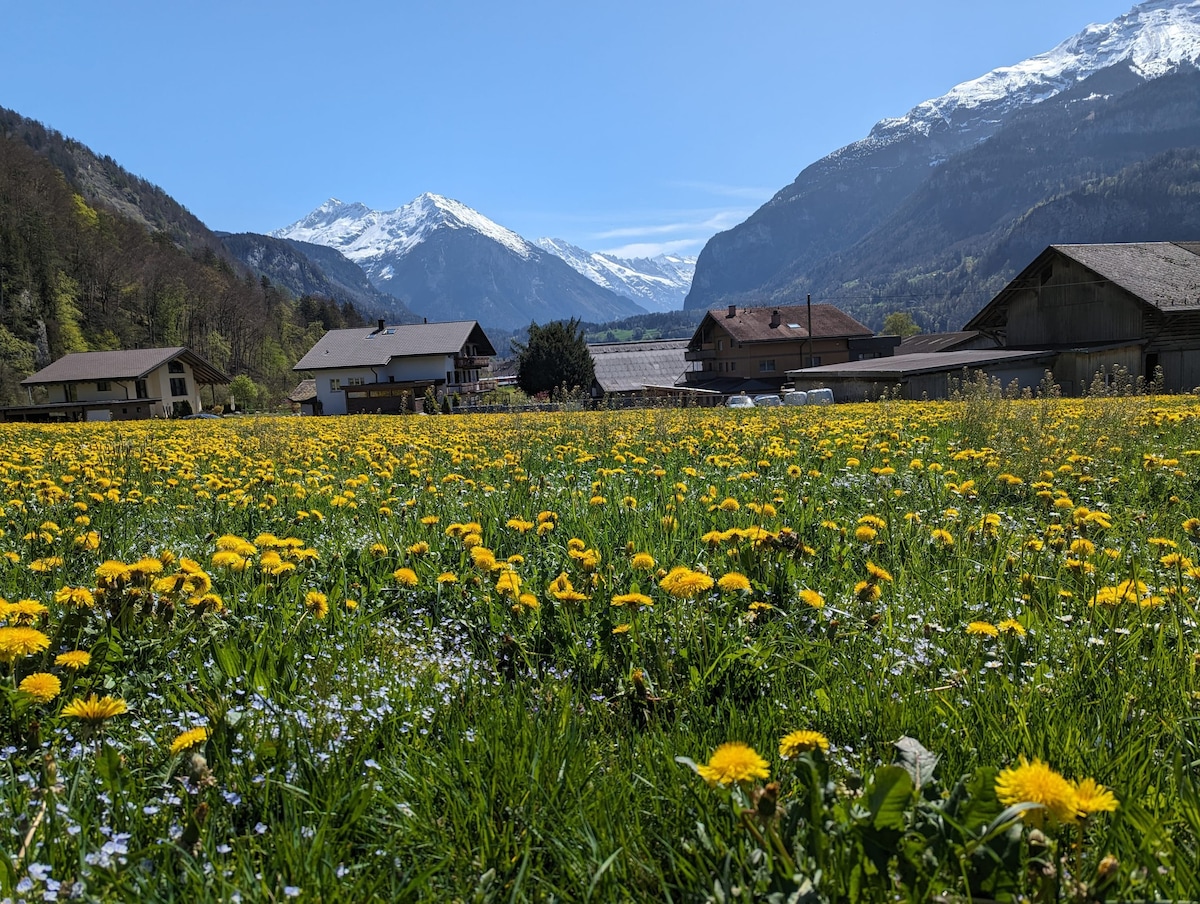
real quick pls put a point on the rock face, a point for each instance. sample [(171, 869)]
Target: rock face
[(913, 187), (446, 261), (306, 269)]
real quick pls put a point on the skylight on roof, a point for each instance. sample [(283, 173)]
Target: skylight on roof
[(794, 326)]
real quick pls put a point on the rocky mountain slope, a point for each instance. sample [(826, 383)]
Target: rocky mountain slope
[(657, 283)]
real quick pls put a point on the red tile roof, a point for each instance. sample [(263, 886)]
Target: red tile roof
[(754, 324)]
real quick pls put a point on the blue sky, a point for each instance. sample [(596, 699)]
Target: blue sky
[(629, 126)]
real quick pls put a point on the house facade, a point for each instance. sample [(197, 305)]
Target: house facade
[(388, 369), (117, 385), (752, 349), (1132, 306)]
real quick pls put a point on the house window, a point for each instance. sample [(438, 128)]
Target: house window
[(139, 389), (814, 361), (766, 367), (102, 386), (355, 381), (179, 386), (335, 384), (71, 392), (733, 365), (720, 345), (175, 367)]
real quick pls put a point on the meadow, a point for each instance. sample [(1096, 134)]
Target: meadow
[(890, 652)]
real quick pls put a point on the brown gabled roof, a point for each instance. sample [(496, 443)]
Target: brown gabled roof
[(1165, 275), (632, 366), (754, 324), (130, 364), (305, 391), (372, 347)]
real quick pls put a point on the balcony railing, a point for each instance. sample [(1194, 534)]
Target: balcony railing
[(700, 354), (469, 361)]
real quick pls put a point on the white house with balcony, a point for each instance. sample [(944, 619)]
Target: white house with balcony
[(117, 385), (388, 369)]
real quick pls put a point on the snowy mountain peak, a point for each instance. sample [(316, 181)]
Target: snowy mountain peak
[(659, 283), (1152, 39), (365, 235)]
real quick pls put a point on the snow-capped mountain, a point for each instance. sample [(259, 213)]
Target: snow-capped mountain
[(1154, 38), (1002, 136), (447, 261), (657, 283)]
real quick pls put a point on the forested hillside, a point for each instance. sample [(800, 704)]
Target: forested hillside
[(93, 258)]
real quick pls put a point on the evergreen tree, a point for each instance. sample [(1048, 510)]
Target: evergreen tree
[(555, 355)]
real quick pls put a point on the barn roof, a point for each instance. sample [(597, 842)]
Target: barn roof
[(632, 366), (754, 324)]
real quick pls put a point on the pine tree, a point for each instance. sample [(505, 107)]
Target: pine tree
[(555, 355)]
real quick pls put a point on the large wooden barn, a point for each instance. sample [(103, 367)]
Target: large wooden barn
[(1099, 307)]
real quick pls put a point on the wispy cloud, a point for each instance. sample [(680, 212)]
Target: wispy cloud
[(683, 231)]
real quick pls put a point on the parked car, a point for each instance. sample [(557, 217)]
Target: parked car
[(795, 397), (740, 401), (767, 401)]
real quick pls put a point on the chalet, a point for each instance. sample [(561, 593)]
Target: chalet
[(117, 385), (1134, 306), (752, 349), (389, 368)]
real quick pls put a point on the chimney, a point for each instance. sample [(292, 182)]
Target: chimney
[(381, 325), (774, 319), (732, 311)]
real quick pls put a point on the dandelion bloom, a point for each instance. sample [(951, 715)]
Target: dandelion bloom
[(19, 641), (1011, 626), (733, 582), (316, 603), (520, 525), (812, 599), (24, 612), (41, 685), (228, 558), (683, 583), (419, 548), (878, 575), (798, 742), (447, 577), (527, 601), (405, 576), (867, 592), (621, 629), (633, 600), (864, 533), (95, 709), (1037, 783), (508, 584), (113, 573), (1091, 797), (982, 629), (643, 561), (75, 660), (193, 737), (729, 504), (734, 762), (944, 537)]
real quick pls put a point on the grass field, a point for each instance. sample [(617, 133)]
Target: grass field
[(864, 653)]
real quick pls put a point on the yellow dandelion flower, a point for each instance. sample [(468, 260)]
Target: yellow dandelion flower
[(1011, 626), (877, 574), (41, 685), (683, 583), (95, 709), (982, 629), (19, 641), (729, 504), (812, 599), (643, 561), (508, 584), (798, 742), (316, 603), (732, 763), (1037, 783), (74, 660), (867, 591), (621, 629), (733, 583), (942, 537), (25, 612), (1091, 797), (864, 533), (418, 549), (527, 601), (405, 576), (193, 737), (633, 600), (447, 577), (378, 550)]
